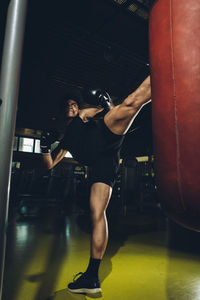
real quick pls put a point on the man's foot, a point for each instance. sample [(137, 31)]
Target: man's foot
[(84, 284)]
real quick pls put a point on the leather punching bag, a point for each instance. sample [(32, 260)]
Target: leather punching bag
[(174, 33)]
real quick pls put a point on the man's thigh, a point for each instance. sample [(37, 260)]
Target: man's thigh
[(105, 170), (120, 118)]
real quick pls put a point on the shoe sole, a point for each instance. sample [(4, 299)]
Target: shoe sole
[(87, 291)]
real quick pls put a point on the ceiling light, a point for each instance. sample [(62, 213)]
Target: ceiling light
[(120, 1), (132, 7), (140, 12)]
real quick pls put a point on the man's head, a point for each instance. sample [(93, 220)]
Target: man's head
[(71, 108), (70, 104)]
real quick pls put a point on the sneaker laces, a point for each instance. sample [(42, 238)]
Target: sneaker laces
[(80, 273)]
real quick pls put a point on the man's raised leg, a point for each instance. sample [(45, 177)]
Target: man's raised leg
[(120, 118)]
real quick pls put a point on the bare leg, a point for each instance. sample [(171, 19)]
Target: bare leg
[(99, 199), (120, 118), (88, 282), (118, 121)]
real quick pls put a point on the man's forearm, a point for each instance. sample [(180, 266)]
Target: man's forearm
[(89, 113), (50, 160), (47, 161)]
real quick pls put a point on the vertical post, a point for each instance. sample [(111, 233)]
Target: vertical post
[(9, 86)]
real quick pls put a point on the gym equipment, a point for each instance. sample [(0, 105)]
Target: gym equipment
[(9, 87), (175, 78)]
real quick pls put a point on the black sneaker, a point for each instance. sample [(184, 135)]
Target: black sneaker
[(84, 284)]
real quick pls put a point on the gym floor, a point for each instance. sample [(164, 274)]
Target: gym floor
[(147, 258)]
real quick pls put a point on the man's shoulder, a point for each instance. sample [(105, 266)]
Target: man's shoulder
[(83, 115)]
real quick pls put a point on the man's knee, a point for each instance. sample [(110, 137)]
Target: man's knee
[(97, 215), (126, 109)]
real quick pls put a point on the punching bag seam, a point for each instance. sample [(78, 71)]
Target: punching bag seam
[(175, 105)]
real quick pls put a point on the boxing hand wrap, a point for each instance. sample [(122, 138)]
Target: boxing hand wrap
[(105, 100), (97, 97), (47, 138), (45, 144)]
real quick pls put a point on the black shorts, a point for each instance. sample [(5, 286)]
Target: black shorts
[(94, 145), (105, 168)]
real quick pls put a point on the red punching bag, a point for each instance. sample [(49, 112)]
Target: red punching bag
[(174, 33)]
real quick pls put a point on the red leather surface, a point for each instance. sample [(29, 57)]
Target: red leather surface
[(174, 35)]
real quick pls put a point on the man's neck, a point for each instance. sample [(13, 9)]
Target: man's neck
[(69, 120)]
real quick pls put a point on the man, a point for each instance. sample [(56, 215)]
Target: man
[(97, 144)]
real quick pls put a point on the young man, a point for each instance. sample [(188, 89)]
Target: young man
[(97, 144)]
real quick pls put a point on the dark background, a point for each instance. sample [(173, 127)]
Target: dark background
[(73, 44)]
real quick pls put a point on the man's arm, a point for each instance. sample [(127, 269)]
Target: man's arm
[(53, 158), (89, 113)]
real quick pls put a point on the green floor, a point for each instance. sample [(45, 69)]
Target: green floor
[(145, 259)]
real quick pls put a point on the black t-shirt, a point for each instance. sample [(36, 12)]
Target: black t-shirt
[(82, 140), (89, 141)]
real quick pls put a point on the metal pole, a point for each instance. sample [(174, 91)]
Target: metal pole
[(9, 86)]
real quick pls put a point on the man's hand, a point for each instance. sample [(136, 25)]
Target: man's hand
[(48, 138), (97, 97)]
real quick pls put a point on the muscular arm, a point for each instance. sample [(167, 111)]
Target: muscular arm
[(88, 113), (52, 159)]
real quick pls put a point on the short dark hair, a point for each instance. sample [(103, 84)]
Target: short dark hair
[(71, 96)]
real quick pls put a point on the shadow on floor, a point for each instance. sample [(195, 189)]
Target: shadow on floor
[(120, 228), (45, 239), (29, 242)]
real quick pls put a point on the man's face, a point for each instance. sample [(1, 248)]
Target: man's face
[(71, 108)]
